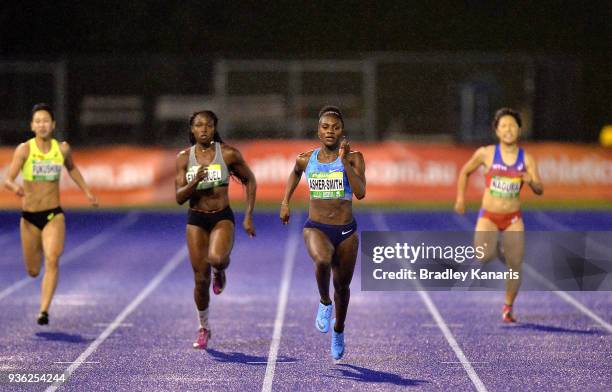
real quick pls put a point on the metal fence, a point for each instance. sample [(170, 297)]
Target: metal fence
[(439, 96)]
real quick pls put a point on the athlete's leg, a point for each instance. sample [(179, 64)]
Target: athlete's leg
[(53, 235), (221, 244), (485, 236), (514, 250), (321, 251), (197, 243), (343, 268), (31, 244)]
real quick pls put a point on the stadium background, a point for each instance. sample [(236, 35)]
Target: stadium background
[(418, 86)]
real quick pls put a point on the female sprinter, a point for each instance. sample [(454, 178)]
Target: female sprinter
[(202, 177), (500, 203), (42, 225), (334, 173)]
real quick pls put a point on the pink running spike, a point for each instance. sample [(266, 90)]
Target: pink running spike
[(202, 341)]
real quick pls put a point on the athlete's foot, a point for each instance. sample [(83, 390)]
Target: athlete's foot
[(323, 314), (337, 344), (43, 318), (218, 282), (202, 340), (507, 315)]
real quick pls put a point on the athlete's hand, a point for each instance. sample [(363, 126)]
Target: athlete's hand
[(19, 191), (201, 174), (527, 178), (284, 213), (459, 206), (247, 225), (345, 147), (93, 200)]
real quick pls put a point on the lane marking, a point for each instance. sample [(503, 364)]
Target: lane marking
[(170, 266), (288, 262), (551, 223), (83, 248), (381, 224), (127, 325), (568, 298)]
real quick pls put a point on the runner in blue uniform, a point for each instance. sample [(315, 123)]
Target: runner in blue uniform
[(334, 174)]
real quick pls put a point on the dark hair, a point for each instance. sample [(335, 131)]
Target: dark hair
[(331, 110), (43, 106), (506, 112), (210, 114)]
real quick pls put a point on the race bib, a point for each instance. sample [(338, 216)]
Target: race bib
[(46, 170), (506, 187), (326, 185), (212, 179)]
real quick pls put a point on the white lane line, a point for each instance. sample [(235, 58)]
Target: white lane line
[(288, 261), (553, 224), (567, 298), (381, 224), (83, 248), (67, 362), (127, 325), (178, 257)]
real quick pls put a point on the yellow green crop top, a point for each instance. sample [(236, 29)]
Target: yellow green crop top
[(43, 167)]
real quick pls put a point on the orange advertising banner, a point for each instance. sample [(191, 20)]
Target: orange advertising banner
[(395, 171)]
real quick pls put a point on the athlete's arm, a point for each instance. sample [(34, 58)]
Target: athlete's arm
[(354, 166), (19, 158), (531, 177), (294, 179), (477, 159), (185, 189), (240, 169), (75, 173)]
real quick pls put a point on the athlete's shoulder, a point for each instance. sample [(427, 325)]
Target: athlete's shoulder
[(23, 149), (301, 161), (487, 150), (230, 153), (183, 154), (63, 146), (305, 155), (527, 157)]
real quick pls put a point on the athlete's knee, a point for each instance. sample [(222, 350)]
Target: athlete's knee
[(488, 254), (342, 289), (321, 259), (218, 261), (33, 272), (51, 263)]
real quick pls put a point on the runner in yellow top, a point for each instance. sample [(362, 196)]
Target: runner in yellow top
[(43, 229)]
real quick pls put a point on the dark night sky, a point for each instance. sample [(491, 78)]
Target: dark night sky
[(303, 28)]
